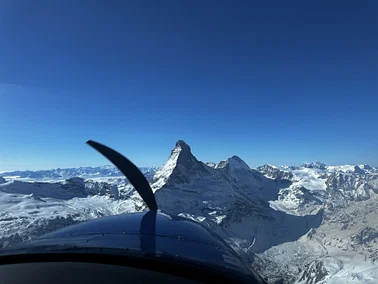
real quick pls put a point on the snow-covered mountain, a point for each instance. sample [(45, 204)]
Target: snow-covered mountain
[(230, 198), (62, 174), (343, 249), (310, 223)]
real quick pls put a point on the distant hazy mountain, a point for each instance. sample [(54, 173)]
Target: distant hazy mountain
[(84, 172)]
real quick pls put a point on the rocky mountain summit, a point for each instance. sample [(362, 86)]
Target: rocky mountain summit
[(311, 223)]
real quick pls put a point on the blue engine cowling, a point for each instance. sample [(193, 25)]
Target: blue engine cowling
[(149, 235)]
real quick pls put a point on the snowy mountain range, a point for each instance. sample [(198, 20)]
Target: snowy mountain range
[(83, 172), (311, 223)]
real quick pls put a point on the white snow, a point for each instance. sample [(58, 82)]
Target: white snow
[(235, 163), (342, 168), (163, 173), (29, 209), (307, 222), (211, 164), (309, 178), (20, 214), (219, 219), (351, 268)]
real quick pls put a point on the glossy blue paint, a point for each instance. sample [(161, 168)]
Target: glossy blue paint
[(136, 223), (146, 234)]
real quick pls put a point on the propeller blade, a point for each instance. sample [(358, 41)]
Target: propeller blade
[(133, 174)]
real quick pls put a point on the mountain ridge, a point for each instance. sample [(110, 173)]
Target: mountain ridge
[(290, 222), (65, 173)]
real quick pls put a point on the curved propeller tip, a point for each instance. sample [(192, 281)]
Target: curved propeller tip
[(131, 172)]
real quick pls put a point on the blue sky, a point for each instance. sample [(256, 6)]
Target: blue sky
[(277, 82)]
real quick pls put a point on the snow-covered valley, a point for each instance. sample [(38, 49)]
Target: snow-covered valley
[(307, 224)]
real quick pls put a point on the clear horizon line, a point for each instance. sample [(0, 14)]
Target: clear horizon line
[(104, 165)]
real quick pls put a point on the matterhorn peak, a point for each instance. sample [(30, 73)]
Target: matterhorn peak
[(181, 144), (182, 151), (180, 167)]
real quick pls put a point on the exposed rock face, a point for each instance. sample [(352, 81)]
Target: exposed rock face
[(308, 224)]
